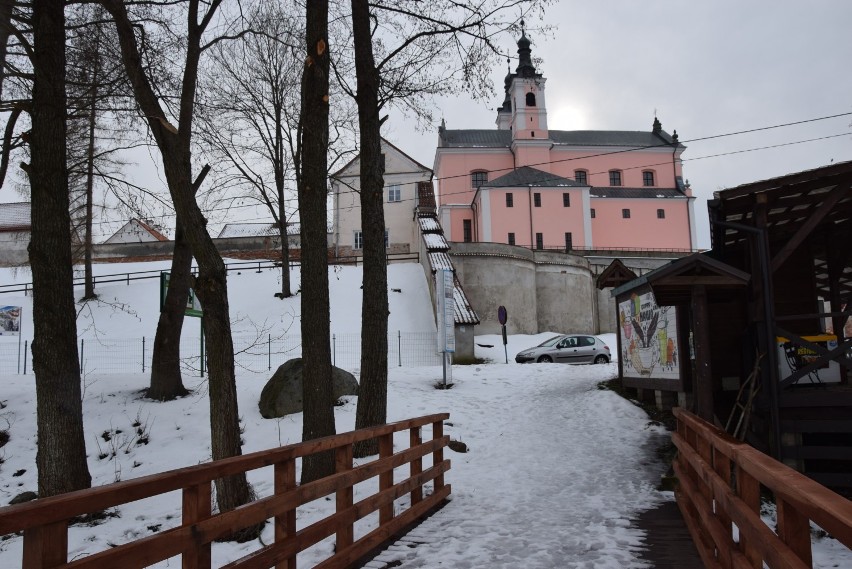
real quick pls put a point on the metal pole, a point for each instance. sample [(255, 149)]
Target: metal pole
[(20, 333), (82, 353), (143, 354), (269, 351), (26, 342), (334, 350), (399, 346)]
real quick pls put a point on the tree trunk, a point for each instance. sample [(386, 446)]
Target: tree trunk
[(174, 144), (61, 456), (282, 211), (316, 342), (89, 292), (166, 382), (6, 8), (373, 389)]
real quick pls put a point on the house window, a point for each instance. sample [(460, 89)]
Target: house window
[(592, 213), (569, 241), (530, 99), (581, 177), (359, 240), (537, 199), (511, 238), (647, 178), (478, 178), (661, 214), (615, 177), (394, 193), (625, 213), (539, 240), (510, 200), (467, 230), (566, 200)]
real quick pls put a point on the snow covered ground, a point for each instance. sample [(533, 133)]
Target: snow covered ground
[(556, 470)]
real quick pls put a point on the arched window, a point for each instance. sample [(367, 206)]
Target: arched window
[(648, 178), (477, 178), (530, 99), (581, 176), (615, 177)]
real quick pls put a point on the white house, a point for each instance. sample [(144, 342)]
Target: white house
[(403, 176), (136, 231), (15, 229)]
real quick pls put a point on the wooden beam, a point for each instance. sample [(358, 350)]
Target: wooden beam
[(691, 280), (808, 226), (701, 339)]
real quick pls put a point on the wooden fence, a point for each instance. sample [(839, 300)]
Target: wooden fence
[(45, 522), (720, 481)]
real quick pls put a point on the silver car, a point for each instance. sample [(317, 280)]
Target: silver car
[(568, 349)]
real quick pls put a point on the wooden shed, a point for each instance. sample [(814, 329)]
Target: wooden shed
[(760, 321)]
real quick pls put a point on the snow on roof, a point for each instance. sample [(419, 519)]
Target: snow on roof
[(435, 242), (255, 229), (15, 216), (463, 311), (429, 225), (440, 261)]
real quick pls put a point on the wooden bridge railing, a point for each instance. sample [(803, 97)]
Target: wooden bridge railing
[(45, 521), (719, 487)]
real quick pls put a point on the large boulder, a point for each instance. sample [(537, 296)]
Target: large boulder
[(282, 394)]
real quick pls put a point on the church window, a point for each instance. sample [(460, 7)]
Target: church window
[(581, 176), (537, 199), (478, 178), (510, 200), (468, 232), (511, 238), (530, 99), (615, 177), (566, 200), (661, 214), (648, 178)]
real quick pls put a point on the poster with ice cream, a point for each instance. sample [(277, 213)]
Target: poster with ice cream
[(649, 339)]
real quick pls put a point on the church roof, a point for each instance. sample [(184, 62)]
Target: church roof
[(493, 138), (526, 176), (621, 192)]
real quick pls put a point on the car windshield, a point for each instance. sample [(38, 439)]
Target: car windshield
[(550, 342)]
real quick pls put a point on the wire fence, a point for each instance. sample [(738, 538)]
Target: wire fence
[(252, 353)]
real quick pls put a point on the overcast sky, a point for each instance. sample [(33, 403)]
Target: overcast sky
[(706, 67)]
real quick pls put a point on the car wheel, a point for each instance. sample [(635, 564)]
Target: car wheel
[(601, 360), (545, 360)]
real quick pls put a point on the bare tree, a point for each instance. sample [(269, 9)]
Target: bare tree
[(174, 143), (422, 49), (250, 117), (316, 348), (61, 456)]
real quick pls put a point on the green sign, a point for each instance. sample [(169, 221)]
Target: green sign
[(193, 306)]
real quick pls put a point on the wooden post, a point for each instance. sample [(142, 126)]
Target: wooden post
[(748, 489), (343, 462), (794, 529), (196, 507), (701, 338), (722, 467), (438, 455), (285, 524), (386, 478), (416, 439), (45, 546)]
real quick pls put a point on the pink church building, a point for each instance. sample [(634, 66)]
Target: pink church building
[(524, 184)]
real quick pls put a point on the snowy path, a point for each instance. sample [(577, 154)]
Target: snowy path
[(556, 482)]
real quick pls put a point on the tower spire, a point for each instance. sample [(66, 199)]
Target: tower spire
[(525, 64)]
